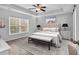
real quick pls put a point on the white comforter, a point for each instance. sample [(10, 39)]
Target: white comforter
[(54, 35), (47, 33)]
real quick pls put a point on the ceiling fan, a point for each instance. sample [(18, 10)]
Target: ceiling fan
[(39, 7)]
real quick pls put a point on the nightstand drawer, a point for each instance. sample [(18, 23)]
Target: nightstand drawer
[(65, 34)]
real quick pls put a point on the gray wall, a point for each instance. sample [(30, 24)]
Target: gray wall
[(77, 23), (60, 19), (4, 32)]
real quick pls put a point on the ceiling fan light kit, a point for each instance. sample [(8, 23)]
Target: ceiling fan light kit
[(38, 9)]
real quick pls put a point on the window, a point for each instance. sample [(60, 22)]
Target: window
[(18, 25)]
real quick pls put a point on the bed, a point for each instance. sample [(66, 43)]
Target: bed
[(48, 34)]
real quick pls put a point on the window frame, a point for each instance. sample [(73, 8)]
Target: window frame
[(19, 32)]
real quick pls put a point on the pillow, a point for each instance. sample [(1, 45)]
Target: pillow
[(50, 25), (54, 29), (45, 29), (51, 29)]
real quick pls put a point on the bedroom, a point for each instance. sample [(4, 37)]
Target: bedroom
[(26, 17)]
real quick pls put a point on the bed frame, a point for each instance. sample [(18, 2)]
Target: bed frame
[(49, 42)]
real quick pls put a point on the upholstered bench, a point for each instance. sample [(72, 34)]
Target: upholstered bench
[(41, 38)]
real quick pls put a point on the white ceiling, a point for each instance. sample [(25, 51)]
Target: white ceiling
[(50, 8), (53, 9)]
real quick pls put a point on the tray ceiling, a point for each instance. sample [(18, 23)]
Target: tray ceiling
[(50, 8)]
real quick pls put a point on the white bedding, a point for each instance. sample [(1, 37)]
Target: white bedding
[(54, 35), (43, 38), (46, 33)]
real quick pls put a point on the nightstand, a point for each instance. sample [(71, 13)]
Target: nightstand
[(65, 34)]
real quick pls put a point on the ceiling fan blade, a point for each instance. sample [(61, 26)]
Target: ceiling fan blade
[(34, 5), (43, 7), (38, 4), (36, 10), (43, 10), (31, 8)]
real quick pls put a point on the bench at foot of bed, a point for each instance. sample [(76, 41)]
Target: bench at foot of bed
[(41, 39)]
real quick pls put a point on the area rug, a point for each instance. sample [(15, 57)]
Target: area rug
[(34, 48), (42, 49), (15, 50)]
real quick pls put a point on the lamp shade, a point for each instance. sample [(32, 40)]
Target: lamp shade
[(65, 25), (38, 26)]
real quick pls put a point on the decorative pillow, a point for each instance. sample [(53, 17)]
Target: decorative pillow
[(54, 29), (51, 29), (45, 29)]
